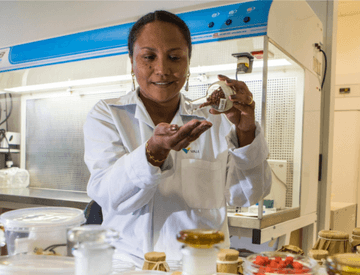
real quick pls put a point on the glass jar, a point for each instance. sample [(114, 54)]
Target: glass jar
[(199, 252), (227, 261), (286, 263), (92, 246), (319, 255), (217, 97), (335, 242), (355, 239), (343, 264), (155, 261)]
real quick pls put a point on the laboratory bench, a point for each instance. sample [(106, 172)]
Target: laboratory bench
[(11, 198), (270, 227)]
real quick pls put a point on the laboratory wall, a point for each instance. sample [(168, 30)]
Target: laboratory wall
[(348, 53), (346, 151)]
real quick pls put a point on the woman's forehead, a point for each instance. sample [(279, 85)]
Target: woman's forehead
[(159, 34)]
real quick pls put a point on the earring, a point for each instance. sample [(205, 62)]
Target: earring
[(133, 81), (187, 82)]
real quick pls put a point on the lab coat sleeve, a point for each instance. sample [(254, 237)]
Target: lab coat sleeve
[(120, 180), (248, 173)]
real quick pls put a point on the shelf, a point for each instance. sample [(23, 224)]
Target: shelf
[(16, 198), (5, 150)]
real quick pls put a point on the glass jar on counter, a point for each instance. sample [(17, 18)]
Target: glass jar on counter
[(40, 230), (343, 264), (335, 242), (91, 247), (200, 251), (279, 263), (319, 255), (355, 240)]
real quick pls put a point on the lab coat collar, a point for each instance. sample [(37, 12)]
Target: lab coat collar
[(186, 108)]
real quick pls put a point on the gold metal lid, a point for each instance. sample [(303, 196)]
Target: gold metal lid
[(200, 238)]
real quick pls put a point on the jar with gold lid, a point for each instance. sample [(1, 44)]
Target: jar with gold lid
[(200, 251), (343, 264)]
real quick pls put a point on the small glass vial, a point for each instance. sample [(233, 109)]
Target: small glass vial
[(217, 97), (93, 252), (200, 252)]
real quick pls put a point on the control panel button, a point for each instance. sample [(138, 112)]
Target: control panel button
[(211, 24), (246, 19), (228, 22)]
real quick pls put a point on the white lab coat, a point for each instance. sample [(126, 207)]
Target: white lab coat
[(149, 205)]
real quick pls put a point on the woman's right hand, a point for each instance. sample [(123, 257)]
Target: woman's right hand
[(168, 137)]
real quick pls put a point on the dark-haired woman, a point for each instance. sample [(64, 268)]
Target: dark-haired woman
[(160, 165)]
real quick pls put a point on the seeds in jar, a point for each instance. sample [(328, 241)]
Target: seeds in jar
[(214, 98)]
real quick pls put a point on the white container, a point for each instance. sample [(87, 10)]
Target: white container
[(36, 265), (198, 261), (14, 177), (93, 259), (91, 247), (40, 229)]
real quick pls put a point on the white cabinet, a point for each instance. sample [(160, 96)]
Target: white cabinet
[(343, 217), (346, 156)]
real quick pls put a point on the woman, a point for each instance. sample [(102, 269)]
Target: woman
[(160, 165)]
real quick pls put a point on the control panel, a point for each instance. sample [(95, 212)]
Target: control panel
[(239, 20)]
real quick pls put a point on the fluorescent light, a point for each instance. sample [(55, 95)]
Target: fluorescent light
[(108, 79), (232, 66), (70, 83)]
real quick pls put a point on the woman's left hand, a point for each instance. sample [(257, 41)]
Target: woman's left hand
[(242, 114)]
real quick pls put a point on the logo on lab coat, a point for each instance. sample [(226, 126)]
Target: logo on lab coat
[(187, 150)]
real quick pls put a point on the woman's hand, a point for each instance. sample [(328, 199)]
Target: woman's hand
[(168, 137), (242, 114)]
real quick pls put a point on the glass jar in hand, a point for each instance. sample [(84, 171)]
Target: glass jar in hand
[(218, 97)]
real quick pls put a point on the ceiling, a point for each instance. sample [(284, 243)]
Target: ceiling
[(349, 7)]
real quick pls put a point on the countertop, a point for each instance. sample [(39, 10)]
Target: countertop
[(15, 198)]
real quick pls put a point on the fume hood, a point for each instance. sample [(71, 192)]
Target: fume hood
[(72, 72)]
